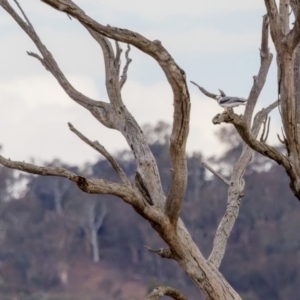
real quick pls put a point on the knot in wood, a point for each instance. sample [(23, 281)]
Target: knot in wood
[(81, 182), (157, 42), (216, 119)]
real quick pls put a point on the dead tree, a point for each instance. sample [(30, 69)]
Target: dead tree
[(145, 193), (92, 218), (286, 43)]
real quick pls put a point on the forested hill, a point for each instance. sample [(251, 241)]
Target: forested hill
[(46, 235)]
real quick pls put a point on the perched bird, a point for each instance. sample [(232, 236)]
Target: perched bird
[(229, 102)]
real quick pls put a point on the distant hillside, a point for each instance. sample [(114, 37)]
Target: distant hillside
[(45, 234)]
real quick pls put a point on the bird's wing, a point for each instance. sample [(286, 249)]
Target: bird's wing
[(232, 100)]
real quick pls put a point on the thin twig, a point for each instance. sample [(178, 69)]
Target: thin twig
[(23, 13), (125, 70), (163, 252), (118, 53), (261, 116), (266, 129), (283, 134), (42, 61), (216, 173), (98, 147), (280, 140)]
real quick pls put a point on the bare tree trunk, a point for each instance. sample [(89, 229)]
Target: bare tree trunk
[(59, 192), (145, 195), (94, 244), (92, 221)]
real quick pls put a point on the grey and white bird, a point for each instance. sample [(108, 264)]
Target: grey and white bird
[(229, 102)]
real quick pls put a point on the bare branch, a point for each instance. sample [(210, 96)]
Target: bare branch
[(89, 186), (181, 101), (280, 140), (261, 116), (250, 139), (205, 92), (23, 13), (125, 70), (260, 79), (293, 36), (297, 83), (98, 147), (266, 129), (205, 276), (101, 110), (112, 68), (124, 121), (221, 177), (284, 14), (274, 20), (235, 190), (114, 115), (161, 291), (163, 252), (118, 54), (265, 36)]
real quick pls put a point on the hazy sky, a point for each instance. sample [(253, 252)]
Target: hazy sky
[(215, 42)]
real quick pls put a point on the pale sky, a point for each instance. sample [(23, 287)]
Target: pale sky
[(216, 42)]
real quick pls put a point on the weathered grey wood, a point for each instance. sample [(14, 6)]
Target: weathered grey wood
[(286, 42), (146, 194), (181, 99), (161, 291), (236, 182), (99, 148), (217, 174), (163, 215)]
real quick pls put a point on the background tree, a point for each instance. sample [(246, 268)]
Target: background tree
[(145, 193)]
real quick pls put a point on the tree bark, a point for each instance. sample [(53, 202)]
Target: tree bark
[(146, 195)]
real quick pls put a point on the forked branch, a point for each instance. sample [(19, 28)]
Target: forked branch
[(50, 64), (250, 139), (114, 115), (99, 148), (164, 213), (236, 186), (274, 20), (176, 78), (96, 186)]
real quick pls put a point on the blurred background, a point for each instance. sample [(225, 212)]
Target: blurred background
[(57, 242)]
